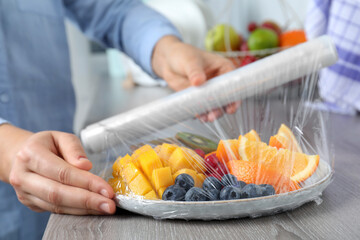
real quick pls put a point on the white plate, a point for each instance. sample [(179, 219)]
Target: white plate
[(231, 209)]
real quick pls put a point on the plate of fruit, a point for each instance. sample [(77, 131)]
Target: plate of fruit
[(198, 178), (263, 40)]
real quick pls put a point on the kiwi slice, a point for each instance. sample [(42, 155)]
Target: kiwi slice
[(195, 141)]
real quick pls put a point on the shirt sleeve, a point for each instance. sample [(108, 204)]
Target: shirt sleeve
[(127, 25), (2, 121)]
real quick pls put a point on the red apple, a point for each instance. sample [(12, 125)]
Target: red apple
[(252, 26), (272, 25)]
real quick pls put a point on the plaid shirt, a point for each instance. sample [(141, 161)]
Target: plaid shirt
[(339, 84)]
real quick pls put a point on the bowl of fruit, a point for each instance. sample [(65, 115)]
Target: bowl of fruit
[(197, 178), (264, 39)]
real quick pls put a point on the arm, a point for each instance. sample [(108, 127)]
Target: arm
[(127, 25), (49, 172)]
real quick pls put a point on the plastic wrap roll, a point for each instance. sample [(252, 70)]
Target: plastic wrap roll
[(244, 82)]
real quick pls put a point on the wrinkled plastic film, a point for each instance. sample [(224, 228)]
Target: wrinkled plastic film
[(145, 148)]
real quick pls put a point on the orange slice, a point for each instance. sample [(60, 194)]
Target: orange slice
[(228, 150), (296, 165), (252, 136), (285, 139), (253, 172)]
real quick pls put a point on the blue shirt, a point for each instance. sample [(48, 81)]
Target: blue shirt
[(36, 92)]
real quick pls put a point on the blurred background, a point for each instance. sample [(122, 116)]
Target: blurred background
[(198, 21)]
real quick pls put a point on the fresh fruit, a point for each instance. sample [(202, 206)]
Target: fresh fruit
[(174, 193), (212, 183), (263, 38), (254, 172), (244, 47), (267, 189), (252, 136), (247, 60), (184, 158), (119, 163), (230, 193), (211, 161), (222, 38), (241, 39), (140, 185), (251, 191), (149, 161), (252, 26), (162, 178), (196, 194), (151, 195), (200, 152), (241, 184), (228, 150), (118, 185), (213, 194), (165, 152), (229, 180), (285, 138), (197, 177), (185, 181), (292, 38), (195, 141), (296, 165), (272, 25), (220, 169)]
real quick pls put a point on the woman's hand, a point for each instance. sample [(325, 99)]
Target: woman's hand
[(49, 172), (182, 65)]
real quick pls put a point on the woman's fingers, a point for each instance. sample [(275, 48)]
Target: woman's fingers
[(70, 148), (59, 196)]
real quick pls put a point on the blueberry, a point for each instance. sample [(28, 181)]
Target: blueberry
[(267, 189), (251, 191), (185, 181), (230, 192), (212, 183), (196, 194), (240, 184), (229, 180), (213, 194), (174, 193)]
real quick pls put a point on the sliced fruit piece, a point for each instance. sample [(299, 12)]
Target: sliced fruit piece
[(149, 161), (300, 166), (162, 177), (157, 149), (118, 185), (140, 185), (195, 141), (130, 171), (253, 172), (296, 165), (292, 38), (285, 139), (138, 152), (253, 136), (119, 164), (255, 151), (151, 195), (165, 152), (228, 150), (161, 191), (186, 158), (198, 180)]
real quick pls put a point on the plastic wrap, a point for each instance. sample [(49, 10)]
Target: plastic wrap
[(275, 138)]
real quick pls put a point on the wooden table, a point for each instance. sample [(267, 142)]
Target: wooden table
[(336, 217)]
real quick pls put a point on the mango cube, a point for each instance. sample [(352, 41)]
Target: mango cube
[(118, 185), (140, 185), (129, 172), (151, 195), (165, 152), (162, 177), (161, 191), (186, 158), (149, 161)]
